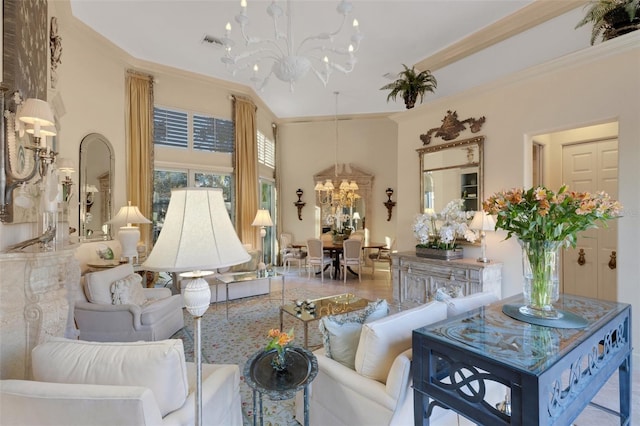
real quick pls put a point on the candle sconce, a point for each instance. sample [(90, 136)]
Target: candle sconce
[(299, 204), (389, 204)]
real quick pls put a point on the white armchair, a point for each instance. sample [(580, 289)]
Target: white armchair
[(137, 314), (135, 383)]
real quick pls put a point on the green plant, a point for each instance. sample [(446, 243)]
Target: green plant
[(410, 85), (539, 214), (607, 15)]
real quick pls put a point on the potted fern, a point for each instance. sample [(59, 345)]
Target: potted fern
[(611, 18), (410, 85)]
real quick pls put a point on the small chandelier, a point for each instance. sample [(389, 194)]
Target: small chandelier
[(291, 62)]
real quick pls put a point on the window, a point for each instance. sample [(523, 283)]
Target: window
[(212, 134), (170, 128), (181, 129), (266, 151)]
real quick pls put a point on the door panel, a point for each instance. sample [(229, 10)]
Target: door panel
[(592, 167)]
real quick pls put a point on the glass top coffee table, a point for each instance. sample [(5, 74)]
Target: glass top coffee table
[(314, 309)]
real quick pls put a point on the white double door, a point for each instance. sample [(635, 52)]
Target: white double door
[(589, 269)]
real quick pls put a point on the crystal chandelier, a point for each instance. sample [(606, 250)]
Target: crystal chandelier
[(290, 62)]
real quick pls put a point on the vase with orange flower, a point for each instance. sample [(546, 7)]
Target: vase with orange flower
[(544, 221), (279, 345)]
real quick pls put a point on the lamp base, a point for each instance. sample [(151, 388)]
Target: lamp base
[(128, 237)]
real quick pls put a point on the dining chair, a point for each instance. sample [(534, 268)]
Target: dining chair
[(290, 254), (316, 257), (383, 255), (351, 257)]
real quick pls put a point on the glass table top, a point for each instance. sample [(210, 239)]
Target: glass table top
[(330, 305), (487, 331), (236, 277)]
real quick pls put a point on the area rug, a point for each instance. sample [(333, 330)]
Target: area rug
[(233, 341)]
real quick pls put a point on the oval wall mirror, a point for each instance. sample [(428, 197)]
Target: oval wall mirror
[(97, 164)]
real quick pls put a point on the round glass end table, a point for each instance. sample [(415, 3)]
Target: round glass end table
[(302, 368)]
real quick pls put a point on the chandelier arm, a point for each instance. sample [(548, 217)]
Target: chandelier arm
[(324, 36)]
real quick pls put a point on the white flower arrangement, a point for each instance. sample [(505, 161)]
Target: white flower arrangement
[(441, 230)]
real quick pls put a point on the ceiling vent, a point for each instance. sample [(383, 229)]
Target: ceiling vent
[(209, 39)]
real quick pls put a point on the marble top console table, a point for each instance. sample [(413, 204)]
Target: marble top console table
[(417, 279), (35, 294)]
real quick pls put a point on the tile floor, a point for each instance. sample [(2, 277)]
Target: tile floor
[(379, 286)]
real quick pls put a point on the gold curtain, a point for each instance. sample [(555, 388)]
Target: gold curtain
[(246, 170), (139, 134)]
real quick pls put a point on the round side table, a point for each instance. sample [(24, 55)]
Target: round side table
[(277, 386)]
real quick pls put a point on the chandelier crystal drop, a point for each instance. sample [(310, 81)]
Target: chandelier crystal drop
[(289, 62)]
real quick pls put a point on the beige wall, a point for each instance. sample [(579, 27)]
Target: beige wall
[(595, 86), (308, 148)]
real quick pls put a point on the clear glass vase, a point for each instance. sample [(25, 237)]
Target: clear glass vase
[(279, 360), (540, 264)]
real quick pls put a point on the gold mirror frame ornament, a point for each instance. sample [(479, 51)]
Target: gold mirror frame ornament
[(471, 162)]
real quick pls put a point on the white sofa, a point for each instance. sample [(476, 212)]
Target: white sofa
[(378, 391), (138, 383)]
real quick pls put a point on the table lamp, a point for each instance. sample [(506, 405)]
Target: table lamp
[(197, 235), (129, 235), (356, 218), (263, 219), (483, 222)]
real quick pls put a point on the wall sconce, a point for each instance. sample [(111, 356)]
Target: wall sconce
[(299, 204), (33, 116), (65, 166), (389, 204)]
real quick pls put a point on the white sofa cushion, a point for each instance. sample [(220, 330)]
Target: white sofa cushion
[(128, 291), (159, 366), (459, 305), (341, 333), (98, 284), (383, 340)]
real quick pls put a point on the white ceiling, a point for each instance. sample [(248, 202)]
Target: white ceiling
[(170, 32)]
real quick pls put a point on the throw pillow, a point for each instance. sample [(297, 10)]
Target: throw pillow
[(341, 333), (97, 285), (381, 341), (128, 291)]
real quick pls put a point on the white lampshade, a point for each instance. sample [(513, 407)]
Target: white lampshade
[(65, 165), (483, 222), (129, 214), (36, 111), (91, 188), (319, 187), (197, 234), (263, 218), (356, 216)]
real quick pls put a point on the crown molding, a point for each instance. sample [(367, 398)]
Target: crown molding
[(523, 19)]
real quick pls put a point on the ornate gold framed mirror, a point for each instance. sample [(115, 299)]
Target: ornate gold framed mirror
[(449, 171)]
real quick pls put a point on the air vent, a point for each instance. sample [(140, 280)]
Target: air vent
[(209, 39)]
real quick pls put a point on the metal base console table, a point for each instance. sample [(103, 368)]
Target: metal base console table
[(551, 374), (302, 368)]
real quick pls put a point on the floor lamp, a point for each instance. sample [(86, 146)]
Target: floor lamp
[(483, 222), (262, 219), (197, 235)]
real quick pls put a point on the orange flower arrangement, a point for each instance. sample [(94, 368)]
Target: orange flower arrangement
[(279, 340)]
